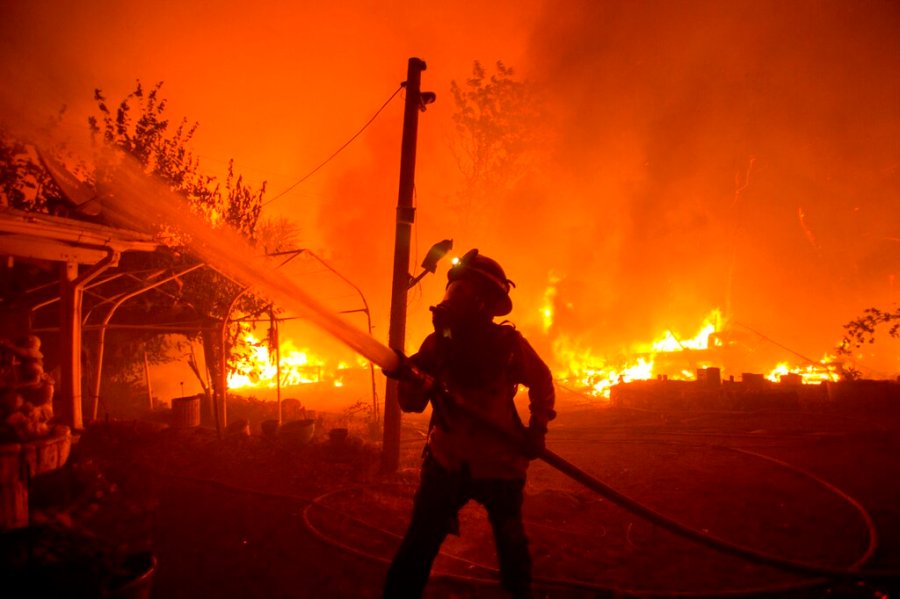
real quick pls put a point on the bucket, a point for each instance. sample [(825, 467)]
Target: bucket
[(137, 583), (186, 412), (298, 431), (19, 462)]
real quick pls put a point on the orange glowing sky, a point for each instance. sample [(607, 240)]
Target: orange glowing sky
[(657, 110)]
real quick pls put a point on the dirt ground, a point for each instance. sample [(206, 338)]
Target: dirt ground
[(262, 517)]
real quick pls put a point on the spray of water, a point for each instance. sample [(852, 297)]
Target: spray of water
[(137, 201)]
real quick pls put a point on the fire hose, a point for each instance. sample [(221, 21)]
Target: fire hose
[(139, 202), (559, 463)]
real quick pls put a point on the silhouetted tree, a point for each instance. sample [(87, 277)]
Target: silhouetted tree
[(861, 331), (139, 128), (277, 234), (498, 121), (24, 182)]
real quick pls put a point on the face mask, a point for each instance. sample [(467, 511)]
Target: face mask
[(445, 319), (462, 308)]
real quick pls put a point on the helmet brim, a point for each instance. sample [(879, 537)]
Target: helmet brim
[(492, 289), (491, 277)]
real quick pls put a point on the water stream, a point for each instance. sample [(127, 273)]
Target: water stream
[(139, 202)]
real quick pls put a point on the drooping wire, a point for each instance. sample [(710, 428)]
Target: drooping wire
[(336, 152)]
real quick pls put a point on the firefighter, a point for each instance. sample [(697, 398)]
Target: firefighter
[(469, 369)]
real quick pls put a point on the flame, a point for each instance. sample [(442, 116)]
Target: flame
[(256, 366), (547, 308), (596, 375), (670, 343), (585, 370), (579, 366), (591, 372), (822, 372)]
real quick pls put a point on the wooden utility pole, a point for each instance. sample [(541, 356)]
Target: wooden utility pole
[(390, 456)]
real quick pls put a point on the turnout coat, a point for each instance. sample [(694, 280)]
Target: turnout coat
[(481, 369)]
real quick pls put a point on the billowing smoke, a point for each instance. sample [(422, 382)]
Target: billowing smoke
[(740, 155)]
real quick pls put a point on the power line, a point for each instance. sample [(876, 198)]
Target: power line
[(336, 152)]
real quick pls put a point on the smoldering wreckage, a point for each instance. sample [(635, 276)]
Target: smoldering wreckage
[(75, 477)]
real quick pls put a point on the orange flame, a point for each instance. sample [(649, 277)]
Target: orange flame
[(588, 371), (824, 371), (596, 375), (256, 367)]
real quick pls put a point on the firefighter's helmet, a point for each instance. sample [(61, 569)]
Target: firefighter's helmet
[(489, 275)]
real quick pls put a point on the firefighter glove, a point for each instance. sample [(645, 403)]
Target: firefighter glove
[(407, 371), (535, 441)]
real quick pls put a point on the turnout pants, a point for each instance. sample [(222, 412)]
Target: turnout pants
[(437, 502)]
